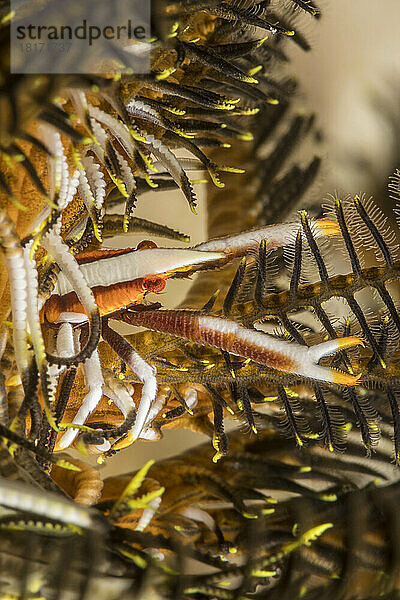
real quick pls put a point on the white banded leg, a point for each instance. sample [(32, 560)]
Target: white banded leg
[(94, 381), (149, 406)]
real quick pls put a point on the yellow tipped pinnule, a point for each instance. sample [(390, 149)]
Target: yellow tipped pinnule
[(149, 181), (231, 169), (228, 104), (184, 134), (217, 456), (250, 79), (263, 573), (247, 111), (254, 70), (196, 182), (175, 110), (7, 17), (215, 179), (124, 443), (261, 41), (248, 515), (246, 137)]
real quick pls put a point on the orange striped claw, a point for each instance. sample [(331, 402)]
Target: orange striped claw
[(263, 348)]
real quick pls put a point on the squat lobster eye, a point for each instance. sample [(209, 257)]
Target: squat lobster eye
[(154, 284), (146, 245)]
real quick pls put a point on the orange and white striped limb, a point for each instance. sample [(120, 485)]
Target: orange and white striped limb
[(118, 278), (288, 357)]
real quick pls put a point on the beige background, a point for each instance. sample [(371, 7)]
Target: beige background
[(355, 53)]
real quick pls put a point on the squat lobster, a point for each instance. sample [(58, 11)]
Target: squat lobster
[(120, 278)]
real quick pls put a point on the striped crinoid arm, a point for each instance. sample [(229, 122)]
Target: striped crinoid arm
[(267, 520), (276, 174), (355, 296), (107, 119)]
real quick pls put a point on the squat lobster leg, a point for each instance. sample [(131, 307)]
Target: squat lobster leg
[(142, 370), (97, 387), (95, 382)]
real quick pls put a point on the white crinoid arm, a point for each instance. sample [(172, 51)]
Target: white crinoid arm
[(14, 261)]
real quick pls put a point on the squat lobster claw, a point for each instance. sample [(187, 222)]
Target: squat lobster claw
[(261, 347), (120, 278)]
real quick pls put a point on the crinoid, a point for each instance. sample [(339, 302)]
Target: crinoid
[(273, 296)]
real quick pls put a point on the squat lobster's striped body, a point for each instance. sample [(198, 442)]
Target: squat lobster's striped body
[(119, 278), (122, 277)]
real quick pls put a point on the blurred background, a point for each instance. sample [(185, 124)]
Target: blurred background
[(350, 75), (351, 80)]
